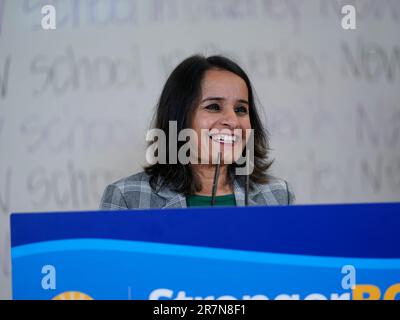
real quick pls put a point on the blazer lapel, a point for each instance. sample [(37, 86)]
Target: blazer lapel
[(239, 191), (172, 199)]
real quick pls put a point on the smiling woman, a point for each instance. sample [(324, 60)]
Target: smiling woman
[(213, 98)]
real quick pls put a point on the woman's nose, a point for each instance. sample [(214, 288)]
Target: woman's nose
[(230, 119)]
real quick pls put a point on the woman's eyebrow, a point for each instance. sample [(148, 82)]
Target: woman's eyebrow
[(243, 101), (213, 98), (222, 98)]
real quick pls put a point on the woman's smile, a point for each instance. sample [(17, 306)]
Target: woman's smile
[(224, 138)]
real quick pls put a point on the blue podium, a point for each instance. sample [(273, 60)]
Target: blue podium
[(283, 252)]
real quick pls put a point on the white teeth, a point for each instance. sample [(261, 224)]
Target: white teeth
[(224, 138)]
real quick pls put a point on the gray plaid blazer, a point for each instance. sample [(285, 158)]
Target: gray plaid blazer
[(134, 192)]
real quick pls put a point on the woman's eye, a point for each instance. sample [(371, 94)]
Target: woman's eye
[(241, 110), (213, 107)]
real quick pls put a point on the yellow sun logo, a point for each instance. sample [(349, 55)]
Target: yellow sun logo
[(72, 295)]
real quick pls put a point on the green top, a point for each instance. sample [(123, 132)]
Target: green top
[(205, 201)]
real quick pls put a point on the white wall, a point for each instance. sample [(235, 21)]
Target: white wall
[(75, 102)]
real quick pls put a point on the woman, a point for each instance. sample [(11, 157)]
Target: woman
[(213, 97)]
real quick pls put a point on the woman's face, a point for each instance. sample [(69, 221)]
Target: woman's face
[(221, 117)]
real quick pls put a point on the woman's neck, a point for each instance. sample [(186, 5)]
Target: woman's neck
[(205, 173)]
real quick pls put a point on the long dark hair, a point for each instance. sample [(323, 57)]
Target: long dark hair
[(177, 102)]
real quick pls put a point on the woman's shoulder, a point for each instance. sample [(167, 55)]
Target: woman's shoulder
[(278, 188), (137, 182), (134, 181), (127, 192)]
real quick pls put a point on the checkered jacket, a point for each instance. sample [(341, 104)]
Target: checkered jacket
[(134, 192)]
